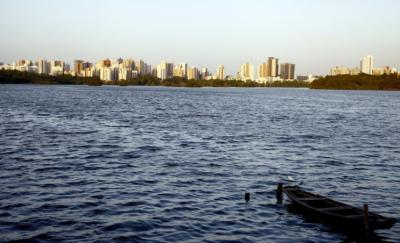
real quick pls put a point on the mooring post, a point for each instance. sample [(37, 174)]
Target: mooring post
[(366, 224), (247, 196), (279, 193)]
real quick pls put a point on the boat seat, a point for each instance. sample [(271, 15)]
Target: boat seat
[(336, 208), (312, 199)]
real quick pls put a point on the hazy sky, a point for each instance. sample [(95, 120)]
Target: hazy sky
[(314, 35)]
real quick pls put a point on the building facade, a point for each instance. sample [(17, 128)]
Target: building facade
[(246, 72), (287, 71), (193, 73), (165, 70), (43, 67), (220, 72), (367, 64)]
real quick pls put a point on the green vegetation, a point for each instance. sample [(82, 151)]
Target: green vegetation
[(358, 82), (149, 80), (16, 77)]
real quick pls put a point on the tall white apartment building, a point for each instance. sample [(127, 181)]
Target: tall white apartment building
[(220, 72), (165, 70), (43, 67), (367, 64), (246, 72)]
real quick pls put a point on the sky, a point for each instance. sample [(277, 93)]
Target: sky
[(314, 34)]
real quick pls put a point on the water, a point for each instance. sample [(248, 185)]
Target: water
[(172, 164)]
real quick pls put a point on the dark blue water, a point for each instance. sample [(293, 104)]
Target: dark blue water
[(172, 164)]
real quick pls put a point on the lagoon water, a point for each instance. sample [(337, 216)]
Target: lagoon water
[(154, 164)]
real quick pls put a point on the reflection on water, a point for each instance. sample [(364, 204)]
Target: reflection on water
[(172, 164)]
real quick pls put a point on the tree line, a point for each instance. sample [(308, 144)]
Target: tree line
[(358, 82), (17, 77)]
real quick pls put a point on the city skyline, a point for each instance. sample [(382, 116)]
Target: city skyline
[(125, 69), (315, 35)]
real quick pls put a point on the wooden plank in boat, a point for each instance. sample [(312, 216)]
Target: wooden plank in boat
[(312, 199), (336, 208)]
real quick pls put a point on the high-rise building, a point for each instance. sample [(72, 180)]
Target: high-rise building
[(287, 71), (87, 65), (106, 62), (367, 64), (78, 67), (108, 73), (56, 67), (181, 70), (43, 67), (165, 70), (129, 63), (124, 73), (204, 73), (193, 73), (142, 68), (272, 67), (103, 63), (262, 71), (220, 72), (148, 69), (23, 62), (246, 72)]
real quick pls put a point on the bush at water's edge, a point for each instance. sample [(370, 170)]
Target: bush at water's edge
[(358, 82)]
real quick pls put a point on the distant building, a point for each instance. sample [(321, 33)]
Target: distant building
[(108, 73), (301, 77), (287, 71), (56, 68), (340, 70), (308, 78), (129, 63), (124, 73), (269, 70), (246, 72), (165, 70), (367, 64), (220, 72), (262, 71), (106, 62), (193, 73), (43, 67), (204, 73), (143, 68), (181, 70), (272, 67), (103, 63), (383, 70), (78, 67)]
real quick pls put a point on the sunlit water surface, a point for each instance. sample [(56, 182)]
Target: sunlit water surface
[(159, 164)]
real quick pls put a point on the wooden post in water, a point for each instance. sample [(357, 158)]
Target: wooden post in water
[(279, 193), (366, 224), (247, 196)]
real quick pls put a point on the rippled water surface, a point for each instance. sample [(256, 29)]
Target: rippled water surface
[(172, 164)]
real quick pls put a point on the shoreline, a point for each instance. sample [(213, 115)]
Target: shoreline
[(202, 87), (360, 82)]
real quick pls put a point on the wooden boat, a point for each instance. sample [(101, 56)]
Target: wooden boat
[(336, 213)]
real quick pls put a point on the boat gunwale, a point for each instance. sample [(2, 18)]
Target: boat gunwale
[(303, 203)]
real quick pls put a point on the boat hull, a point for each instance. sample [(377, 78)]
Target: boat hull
[(335, 213)]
